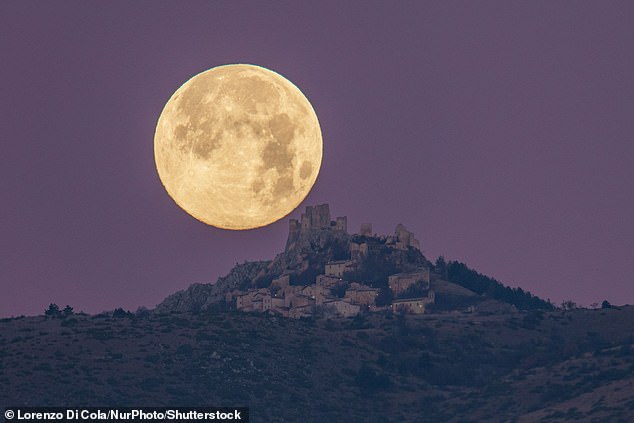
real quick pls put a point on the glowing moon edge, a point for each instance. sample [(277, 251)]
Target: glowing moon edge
[(238, 146)]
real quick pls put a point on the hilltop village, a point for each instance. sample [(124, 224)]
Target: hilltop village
[(338, 291)]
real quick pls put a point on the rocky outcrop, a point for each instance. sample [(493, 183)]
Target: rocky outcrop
[(310, 252), (302, 261), (202, 296), (196, 297)]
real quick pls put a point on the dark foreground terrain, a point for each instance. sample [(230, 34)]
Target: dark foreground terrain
[(516, 367)]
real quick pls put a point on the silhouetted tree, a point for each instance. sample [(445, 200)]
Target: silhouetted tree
[(119, 313), (340, 288), (274, 290), (53, 310), (441, 267), (68, 311), (384, 297), (606, 304), (462, 275), (568, 305), (375, 269), (419, 289), (261, 282), (307, 277)]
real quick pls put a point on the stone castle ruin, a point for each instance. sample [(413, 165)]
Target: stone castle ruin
[(323, 296), (318, 218), (315, 218)]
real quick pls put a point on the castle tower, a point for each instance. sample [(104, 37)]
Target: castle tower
[(314, 218), (405, 238), (320, 217), (342, 224)]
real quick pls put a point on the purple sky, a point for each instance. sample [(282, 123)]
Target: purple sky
[(501, 133)]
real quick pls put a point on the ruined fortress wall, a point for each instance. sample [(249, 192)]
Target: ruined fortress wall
[(342, 224), (314, 218)]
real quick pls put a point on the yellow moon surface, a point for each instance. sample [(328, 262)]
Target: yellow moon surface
[(238, 146)]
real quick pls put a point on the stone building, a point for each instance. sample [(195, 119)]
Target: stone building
[(326, 281), (267, 301), (358, 251), (316, 292), (243, 302), (299, 300), (339, 307), (361, 294), (277, 303), (410, 305), (341, 224), (252, 300), (315, 217), (338, 268), (300, 311), (401, 281), (413, 305), (404, 238)]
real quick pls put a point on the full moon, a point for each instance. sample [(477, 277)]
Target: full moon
[(238, 146)]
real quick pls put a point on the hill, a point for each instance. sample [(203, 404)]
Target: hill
[(522, 366), (320, 247), (470, 350)]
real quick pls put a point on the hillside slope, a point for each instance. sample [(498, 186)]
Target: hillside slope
[(523, 366)]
